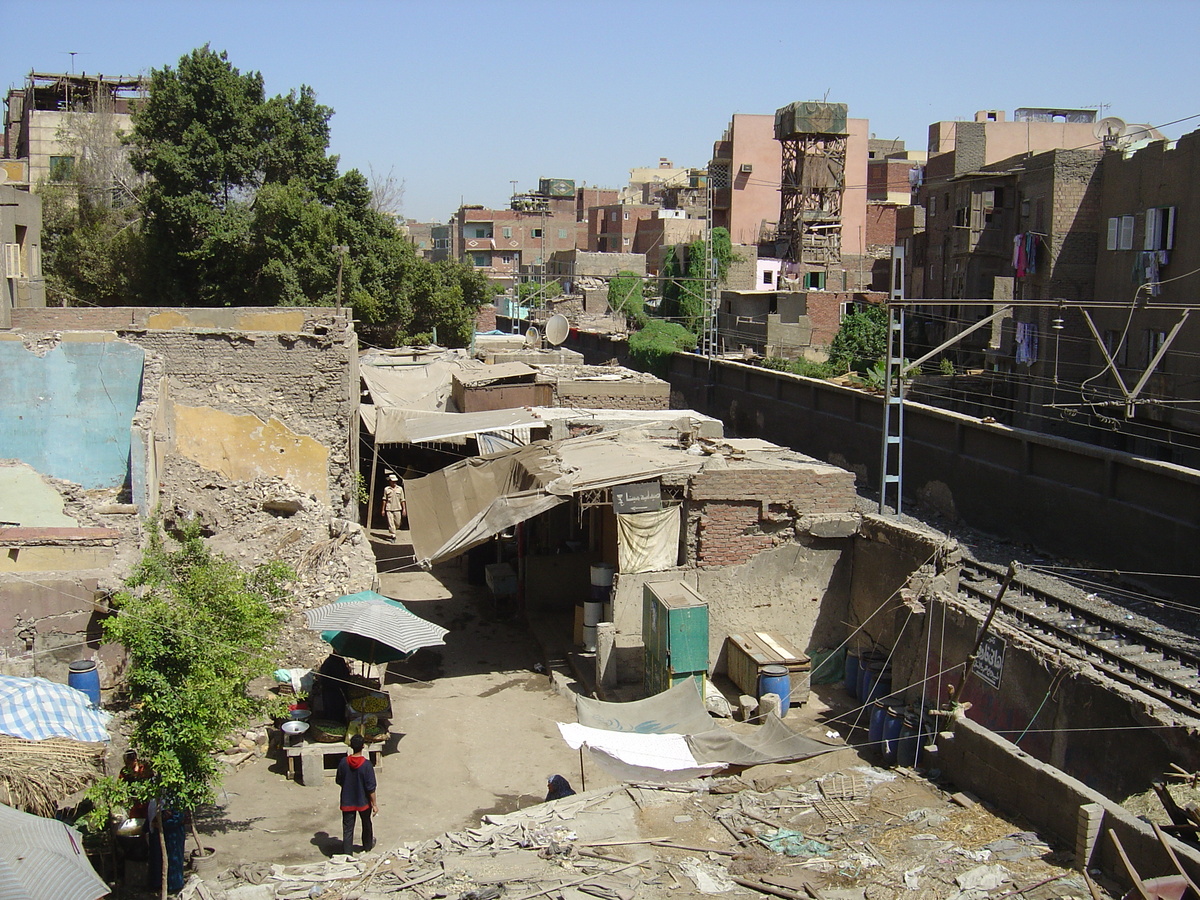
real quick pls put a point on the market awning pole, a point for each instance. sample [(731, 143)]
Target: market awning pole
[(582, 778)]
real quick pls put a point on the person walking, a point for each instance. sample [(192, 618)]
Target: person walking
[(393, 504), (356, 776)]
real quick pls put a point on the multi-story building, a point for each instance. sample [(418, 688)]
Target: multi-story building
[(54, 120), (747, 171), (612, 228), (21, 283)]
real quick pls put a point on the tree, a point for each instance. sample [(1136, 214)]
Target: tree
[(653, 346), (537, 293), (196, 629), (684, 286), (861, 339), (625, 297)]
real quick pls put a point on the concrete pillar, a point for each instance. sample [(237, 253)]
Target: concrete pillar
[(606, 660)]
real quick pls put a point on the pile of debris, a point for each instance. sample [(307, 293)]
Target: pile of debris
[(861, 834)]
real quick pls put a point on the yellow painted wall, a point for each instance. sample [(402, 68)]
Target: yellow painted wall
[(245, 447), (238, 320), (55, 558)]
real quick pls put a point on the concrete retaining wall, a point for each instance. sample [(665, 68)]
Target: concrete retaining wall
[(1001, 774)]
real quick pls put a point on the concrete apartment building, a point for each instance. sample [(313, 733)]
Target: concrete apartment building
[(53, 118), (507, 243), (22, 284)]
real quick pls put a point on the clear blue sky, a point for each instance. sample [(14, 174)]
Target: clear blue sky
[(460, 98)]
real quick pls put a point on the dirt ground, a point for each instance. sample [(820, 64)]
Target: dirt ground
[(473, 732)]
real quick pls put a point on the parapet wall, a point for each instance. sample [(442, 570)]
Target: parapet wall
[(1000, 773)]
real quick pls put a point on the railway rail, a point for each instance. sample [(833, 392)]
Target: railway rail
[(1151, 665)]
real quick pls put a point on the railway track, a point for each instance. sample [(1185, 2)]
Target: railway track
[(1107, 641)]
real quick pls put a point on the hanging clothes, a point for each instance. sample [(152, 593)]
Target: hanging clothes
[(1027, 343), (1031, 247)]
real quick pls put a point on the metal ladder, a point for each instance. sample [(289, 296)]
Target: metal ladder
[(891, 467)]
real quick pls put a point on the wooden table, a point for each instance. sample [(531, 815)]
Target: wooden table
[(317, 753)]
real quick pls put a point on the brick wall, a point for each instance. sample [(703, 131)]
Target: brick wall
[(485, 318), (881, 225), (739, 512)]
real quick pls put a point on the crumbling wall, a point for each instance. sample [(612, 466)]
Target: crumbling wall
[(296, 386), (737, 512), (999, 772)]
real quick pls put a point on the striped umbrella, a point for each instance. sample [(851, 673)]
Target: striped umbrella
[(373, 628), (43, 859)]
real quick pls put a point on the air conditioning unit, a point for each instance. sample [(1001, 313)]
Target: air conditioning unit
[(747, 168)]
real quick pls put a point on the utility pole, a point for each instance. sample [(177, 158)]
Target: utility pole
[(341, 250)]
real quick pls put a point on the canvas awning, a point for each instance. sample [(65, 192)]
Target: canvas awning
[(392, 425), (460, 506)]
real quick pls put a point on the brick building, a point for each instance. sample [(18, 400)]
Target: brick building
[(613, 228)]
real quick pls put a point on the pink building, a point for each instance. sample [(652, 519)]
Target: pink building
[(747, 172)]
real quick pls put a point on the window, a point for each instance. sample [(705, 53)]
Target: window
[(1160, 228), (507, 231), (1154, 341), (12, 261), (1120, 233), (562, 234), (1119, 354), (480, 260), (814, 281), (612, 216), (506, 258), (535, 232), (626, 215), (62, 168), (767, 277), (625, 241), (483, 230)]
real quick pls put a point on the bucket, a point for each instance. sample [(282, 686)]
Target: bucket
[(776, 680), (592, 613), (906, 746), (83, 676), (589, 637), (851, 680), (204, 863), (602, 575), (891, 733)]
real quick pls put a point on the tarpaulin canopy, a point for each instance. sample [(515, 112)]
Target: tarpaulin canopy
[(671, 737), (677, 710), (394, 425), (462, 505), (36, 709)]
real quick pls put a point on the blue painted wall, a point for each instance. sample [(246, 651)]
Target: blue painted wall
[(68, 414)]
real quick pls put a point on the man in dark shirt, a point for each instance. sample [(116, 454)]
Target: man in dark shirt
[(356, 776)]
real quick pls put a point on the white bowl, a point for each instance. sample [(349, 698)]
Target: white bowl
[(300, 715), (294, 727)]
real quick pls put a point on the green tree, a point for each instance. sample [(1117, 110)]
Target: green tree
[(625, 297), (196, 629), (861, 339), (683, 286), (653, 346), (536, 293)]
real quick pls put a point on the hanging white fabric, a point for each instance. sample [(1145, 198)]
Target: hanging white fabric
[(649, 541)]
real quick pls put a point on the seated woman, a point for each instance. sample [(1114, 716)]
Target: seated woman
[(557, 788), (329, 689)]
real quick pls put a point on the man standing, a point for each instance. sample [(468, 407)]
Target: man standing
[(356, 776), (393, 504)]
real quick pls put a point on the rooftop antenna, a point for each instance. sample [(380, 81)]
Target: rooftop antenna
[(73, 54)]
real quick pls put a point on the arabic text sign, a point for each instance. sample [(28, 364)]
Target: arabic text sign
[(639, 497)]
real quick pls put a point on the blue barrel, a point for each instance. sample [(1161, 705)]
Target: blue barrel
[(875, 731), (776, 680), (851, 680), (870, 664), (83, 676), (907, 744), (891, 733), (881, 683)]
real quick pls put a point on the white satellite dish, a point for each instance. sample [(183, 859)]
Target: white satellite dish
[(1131, 134), (533, 339), (557, 329), (1109, 130)]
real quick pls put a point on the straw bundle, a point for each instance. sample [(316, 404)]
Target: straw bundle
[(36, 775)]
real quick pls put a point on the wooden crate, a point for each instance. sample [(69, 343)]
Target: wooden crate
[(749, 652)]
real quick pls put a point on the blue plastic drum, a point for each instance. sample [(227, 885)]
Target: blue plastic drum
[(776, 680), (83, 676), (851, 679)]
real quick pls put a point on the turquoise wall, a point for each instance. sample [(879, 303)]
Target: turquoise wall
[(68, 413)]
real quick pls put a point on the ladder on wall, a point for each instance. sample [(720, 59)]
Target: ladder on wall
[(891, 467)]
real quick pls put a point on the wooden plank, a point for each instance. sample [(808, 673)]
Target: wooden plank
[(1166, 845), (1138, 884)]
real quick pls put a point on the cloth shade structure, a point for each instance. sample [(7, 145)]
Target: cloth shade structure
[(36, 709), (43, 859), (670, 737), (373, 628)]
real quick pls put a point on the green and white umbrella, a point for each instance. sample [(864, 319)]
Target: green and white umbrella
[(373, 628)]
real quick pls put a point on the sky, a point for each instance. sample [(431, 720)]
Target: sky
[(457, 99)]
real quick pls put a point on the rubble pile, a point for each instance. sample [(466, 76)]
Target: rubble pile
[(859, 834)]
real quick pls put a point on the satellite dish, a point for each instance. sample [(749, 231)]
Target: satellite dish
[(533, 339), (557, 329), (1132, 133), (1109, 130)]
